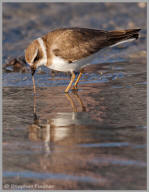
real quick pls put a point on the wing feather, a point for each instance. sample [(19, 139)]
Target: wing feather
[(77, 43), (73, 44)]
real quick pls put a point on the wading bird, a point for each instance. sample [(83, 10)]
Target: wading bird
[(71, 49)]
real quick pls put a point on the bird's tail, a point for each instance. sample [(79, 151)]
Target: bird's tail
[(122, 36)]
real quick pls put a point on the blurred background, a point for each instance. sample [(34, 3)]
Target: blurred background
[(23, 22)]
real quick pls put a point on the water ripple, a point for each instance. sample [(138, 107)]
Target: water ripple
[(59, 176)]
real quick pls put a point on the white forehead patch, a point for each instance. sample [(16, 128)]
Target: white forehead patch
[(42, 61)]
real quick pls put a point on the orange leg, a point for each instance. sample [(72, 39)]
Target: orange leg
[(77, 81), (70, 84)]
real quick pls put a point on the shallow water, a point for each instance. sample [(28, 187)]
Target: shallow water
[(92, 139), (88, 140)]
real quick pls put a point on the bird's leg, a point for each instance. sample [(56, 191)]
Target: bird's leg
[(77, 81), (70, 84)]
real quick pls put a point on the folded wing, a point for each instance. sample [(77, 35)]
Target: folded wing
[(76, 43)]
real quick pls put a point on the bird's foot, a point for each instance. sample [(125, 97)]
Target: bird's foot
[(74, 89)]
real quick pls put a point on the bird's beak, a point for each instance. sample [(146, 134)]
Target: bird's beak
[(33, 70)]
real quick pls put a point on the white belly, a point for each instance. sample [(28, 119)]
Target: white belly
[(60, 64)]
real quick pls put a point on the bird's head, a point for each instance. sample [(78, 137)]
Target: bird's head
[(34, 55)]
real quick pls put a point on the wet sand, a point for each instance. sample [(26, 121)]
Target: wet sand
[(92, 139)]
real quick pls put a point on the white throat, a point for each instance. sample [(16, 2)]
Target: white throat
[(42, 61)]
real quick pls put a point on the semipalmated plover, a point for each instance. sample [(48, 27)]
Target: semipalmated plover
[(71, 49)]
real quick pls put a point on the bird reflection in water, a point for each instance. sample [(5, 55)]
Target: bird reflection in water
[(58, 128)]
